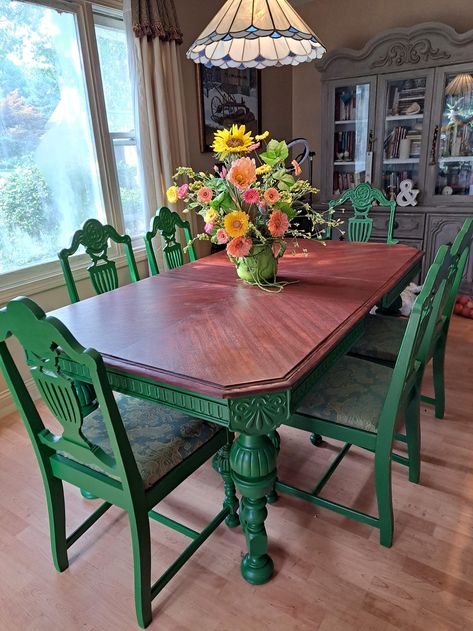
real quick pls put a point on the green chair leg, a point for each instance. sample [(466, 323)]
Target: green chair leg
[(439, 379), (141, 544), (382, 476), (413, 439), (221, 464), (57, 522)]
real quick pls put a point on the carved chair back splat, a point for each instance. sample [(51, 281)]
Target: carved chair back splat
[(362, 199), (95, 237), (166, 223)]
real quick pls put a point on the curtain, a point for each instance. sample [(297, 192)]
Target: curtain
[(153, 36)]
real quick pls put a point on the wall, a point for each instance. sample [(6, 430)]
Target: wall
[(351, 23), (276, 83)]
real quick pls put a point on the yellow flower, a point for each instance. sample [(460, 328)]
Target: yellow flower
[(264, 168), (262, 136), (234, 140), (211, 215), (172, 194), (236, 224)]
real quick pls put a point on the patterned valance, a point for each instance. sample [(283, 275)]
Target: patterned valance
[(156, 18)]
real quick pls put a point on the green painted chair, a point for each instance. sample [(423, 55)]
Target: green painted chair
[(360, 225), (166, 223), (95, 237), (382, 339), (129, 452), (363, 403)]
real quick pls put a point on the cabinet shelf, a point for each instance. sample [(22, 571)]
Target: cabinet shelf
[(339, 163), (411, 98), (405, 117), (456, 159), (351, 122), (401, 161)]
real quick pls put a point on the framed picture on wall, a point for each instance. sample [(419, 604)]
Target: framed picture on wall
[(226, 97)]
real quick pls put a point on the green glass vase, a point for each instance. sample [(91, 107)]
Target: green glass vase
[(260, 266)]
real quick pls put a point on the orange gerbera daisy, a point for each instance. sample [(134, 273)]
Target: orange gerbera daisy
[(278, 223), (240, 246), (242, 173)]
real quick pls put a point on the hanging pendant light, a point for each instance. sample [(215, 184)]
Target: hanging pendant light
[(255, 34)]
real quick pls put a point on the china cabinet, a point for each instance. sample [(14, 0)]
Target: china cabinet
[(399, 114)]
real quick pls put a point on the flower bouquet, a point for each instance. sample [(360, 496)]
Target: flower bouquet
[(251, 202)]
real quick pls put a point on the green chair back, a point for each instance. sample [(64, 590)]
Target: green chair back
[(49, 346), (460, 250), (414, 352), (360, 225), (95, 237), (166, 223)]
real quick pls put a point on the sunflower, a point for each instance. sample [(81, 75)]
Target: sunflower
[(264, 168), (234, 140), (236, 223)]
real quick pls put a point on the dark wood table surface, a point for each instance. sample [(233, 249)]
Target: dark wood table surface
[(200, 340), (200, 328)]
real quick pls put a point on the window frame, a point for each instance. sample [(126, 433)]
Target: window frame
[(48, 275)]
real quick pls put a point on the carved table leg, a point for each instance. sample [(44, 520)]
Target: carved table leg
[(221, 464), (274, 437), (253, 464)]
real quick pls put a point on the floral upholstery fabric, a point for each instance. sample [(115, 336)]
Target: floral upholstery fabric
[(382, 338), (351, 393), (160, 437)]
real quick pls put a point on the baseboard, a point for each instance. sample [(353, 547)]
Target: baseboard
[(7, 404)]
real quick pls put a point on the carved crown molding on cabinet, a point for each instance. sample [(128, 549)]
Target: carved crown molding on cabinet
[(410, 52), (422, 46)]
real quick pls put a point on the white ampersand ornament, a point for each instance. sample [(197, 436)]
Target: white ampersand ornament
[(407, 195)]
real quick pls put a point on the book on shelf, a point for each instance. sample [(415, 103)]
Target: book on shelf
[(344, 181), (344, 143), (345, 108)]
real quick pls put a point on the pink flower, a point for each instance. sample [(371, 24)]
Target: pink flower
[(240, 246), (278, 223), (222, 173), (251, 196), (254, 147), (209, 227), (204, 195), (182, 191), (297, 168), (222, 236), (271, 196), (242, 173)]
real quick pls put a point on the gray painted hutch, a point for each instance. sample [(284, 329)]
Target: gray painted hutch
[(402, 108)]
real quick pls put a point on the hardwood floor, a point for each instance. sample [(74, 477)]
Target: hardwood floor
[(331, 572)]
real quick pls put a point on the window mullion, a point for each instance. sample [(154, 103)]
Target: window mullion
[(104, 148)]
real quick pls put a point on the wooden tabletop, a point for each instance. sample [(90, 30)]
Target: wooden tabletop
[(200, 328)]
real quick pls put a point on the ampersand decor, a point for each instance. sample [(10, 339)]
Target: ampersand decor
[(407, 195)]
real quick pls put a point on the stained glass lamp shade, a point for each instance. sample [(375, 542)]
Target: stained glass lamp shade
[(255, 34)]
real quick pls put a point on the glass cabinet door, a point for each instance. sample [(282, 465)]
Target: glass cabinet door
[(352, 110), (405, 101), (452, 142)]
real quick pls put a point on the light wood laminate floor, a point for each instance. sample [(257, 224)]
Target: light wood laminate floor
[(331, 572)]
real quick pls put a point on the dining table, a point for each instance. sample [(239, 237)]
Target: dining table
[(200, 340)]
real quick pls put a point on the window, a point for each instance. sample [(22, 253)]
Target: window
[(54, 173), (111, 42)]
